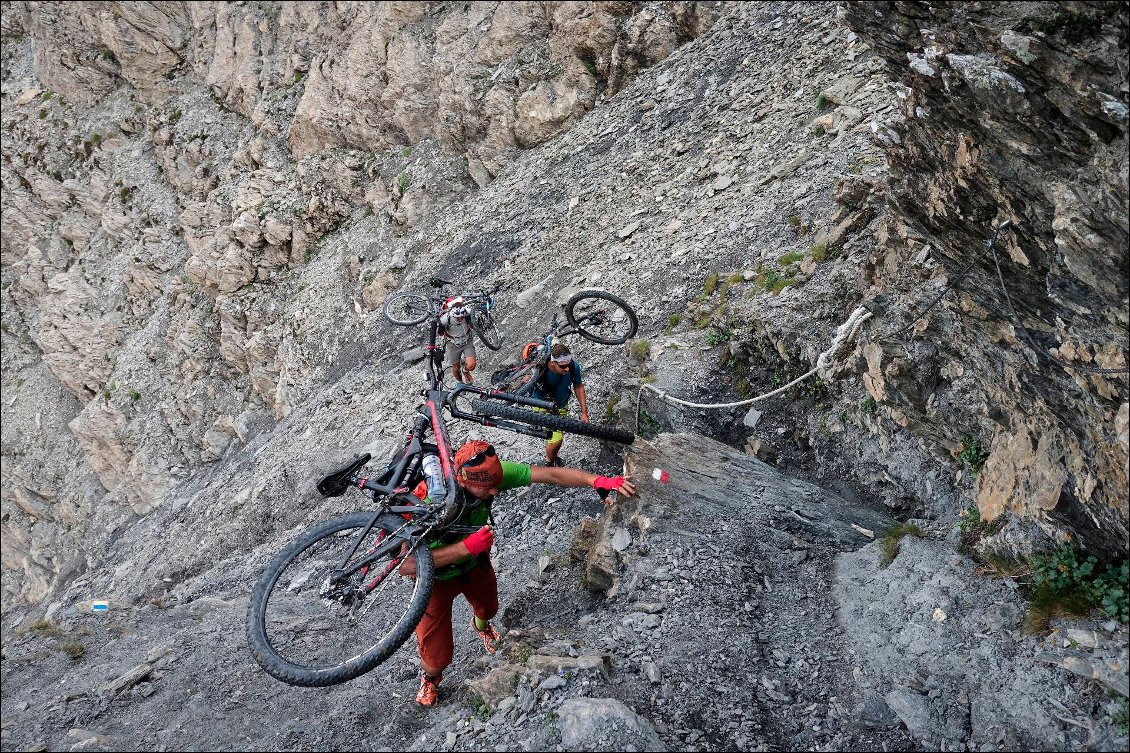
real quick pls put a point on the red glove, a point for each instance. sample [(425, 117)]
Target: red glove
[(607, 483), (480, 541)]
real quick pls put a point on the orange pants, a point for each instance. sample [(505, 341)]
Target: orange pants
[(434, 639)]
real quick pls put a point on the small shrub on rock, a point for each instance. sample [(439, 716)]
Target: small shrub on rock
[(971, 453), (1066, 583), (73, 649)]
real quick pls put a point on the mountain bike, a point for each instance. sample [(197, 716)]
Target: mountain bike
[(406, 309), (331, 606), (596, 315)]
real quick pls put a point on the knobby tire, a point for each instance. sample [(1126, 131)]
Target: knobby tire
[(579, 324), (383, 646), (483, 325), (415, 309), (550, 421)]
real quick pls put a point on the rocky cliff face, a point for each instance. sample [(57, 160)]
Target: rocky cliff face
[(1011, 111), (168, 172)]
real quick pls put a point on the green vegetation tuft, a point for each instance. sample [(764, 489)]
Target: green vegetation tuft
[(818, 251), (298, 76), (134, 395), (869, 405), (774, 281), (791, 258), (673, 320), (711, 284), (1067, 583), (480, 709), (407, 152), (734, 278), (822, 101), (43, 628), (969, 519), (649, 425), (42, 114), (73, 649), (717, 336), (520, 653), (971, 453), (590, 66), (641, 350), (402, 182), (891, 539), (1121, 717), (611, 413)]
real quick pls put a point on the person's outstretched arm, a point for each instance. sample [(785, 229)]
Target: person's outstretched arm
[(576, 477)]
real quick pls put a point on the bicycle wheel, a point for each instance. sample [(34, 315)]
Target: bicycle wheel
[(303, 633), (406, 309), (483, 325), (601, 317), (550, 421)]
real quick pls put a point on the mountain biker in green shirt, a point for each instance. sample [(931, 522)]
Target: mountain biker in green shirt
[(463, 566)]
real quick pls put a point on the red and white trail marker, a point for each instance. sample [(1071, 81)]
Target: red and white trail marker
[(660, 475)]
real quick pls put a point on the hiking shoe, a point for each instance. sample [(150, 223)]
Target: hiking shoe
[(429, 691), (490, 636), (555, 463)]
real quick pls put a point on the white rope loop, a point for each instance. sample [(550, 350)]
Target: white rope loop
[(845, 333)]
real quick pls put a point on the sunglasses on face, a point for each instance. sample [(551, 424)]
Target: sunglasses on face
[(480, 458)]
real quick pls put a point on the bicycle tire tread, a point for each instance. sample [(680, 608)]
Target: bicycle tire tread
[(493, 340), (550, 421), (633, 320), (391, 301), (293, 674)]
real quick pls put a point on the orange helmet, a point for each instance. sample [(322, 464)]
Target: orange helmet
[(528, 350), (477, 463)]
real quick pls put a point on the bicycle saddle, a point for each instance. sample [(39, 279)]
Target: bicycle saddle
[(438, 282), (335, 484)]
